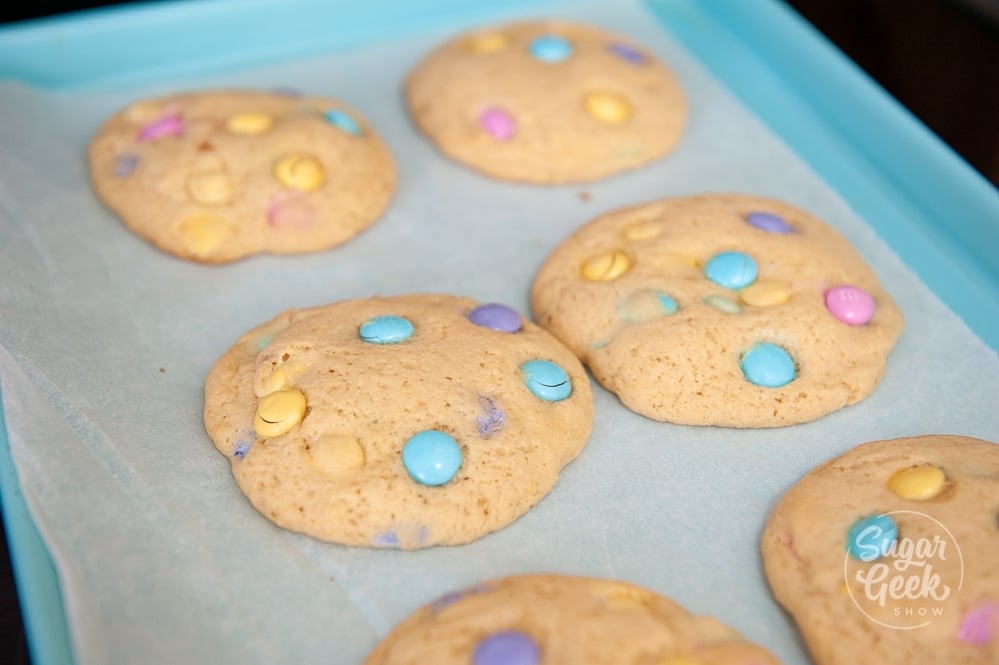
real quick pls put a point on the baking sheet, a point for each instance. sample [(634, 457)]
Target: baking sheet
[(158, 552)]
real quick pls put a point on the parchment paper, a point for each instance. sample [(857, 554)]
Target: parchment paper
[(105, 343)]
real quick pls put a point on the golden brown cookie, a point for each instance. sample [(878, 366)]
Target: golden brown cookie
[(407, 422), (890, 553), (729, 310), (542, 619), (215, 176), (547, 102)]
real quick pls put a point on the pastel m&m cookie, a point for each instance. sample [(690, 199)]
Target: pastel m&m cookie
[(215, 176), (402, 422), (550, 619), (728, 310), (888, 553), (547, 102)]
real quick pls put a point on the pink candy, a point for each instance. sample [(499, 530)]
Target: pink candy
[(977, 625), (169, 125), (850, 304), (290, 212), (498, 123)]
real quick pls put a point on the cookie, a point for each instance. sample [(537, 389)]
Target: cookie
[(536, 619), (405, 422), (547, 102), (727, 310), (889, 554), (217, 176)]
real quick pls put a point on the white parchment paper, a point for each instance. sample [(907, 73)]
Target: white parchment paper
[(105, 343)]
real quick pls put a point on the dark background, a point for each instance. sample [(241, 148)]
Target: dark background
[(939, 58)]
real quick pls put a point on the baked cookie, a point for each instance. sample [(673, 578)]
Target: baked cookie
[(890, 553), (547, 102), (403, 422), (726, 310), (216, 176), (552, 619)]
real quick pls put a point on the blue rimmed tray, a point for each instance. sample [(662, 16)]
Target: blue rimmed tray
[(938, 215)]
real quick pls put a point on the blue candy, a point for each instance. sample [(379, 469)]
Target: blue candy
[(432, 457), (768, 365), (551, 48), (265, 340), (669, 305), (386, 330), (344, 122), (870, 538), (733, 270), (546, 380)]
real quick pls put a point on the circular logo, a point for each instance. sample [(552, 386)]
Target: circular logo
[(901, 567)]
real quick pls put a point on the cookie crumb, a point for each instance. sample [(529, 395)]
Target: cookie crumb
[(584, 196)]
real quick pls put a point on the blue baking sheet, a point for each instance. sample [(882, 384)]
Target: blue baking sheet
[(939, 215)]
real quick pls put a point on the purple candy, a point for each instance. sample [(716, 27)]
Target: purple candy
[(241, 449), (452, 597), (491, 420), (386, 539), (628, 53), (507, 648), (496, 317), (125, 164), (448, 599), (769, 222)]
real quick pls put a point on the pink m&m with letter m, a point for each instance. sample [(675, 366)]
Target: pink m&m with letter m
[(850, 304)]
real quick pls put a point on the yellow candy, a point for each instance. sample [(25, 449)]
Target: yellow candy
[(627, 598), (278, 413), (608, 107), (919, 483), (641, 231), (209, 187), (765, 294), (301, 172), (607, 266), (487, 43), (249, 123), (204, 233), (276, 380), (337, 454), (723, 304)]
